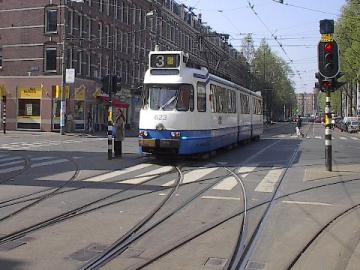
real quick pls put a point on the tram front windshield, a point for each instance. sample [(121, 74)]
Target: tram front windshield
[(170, 97)]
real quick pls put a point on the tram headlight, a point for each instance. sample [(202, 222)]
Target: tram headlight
[(143, 134), (175, 134)]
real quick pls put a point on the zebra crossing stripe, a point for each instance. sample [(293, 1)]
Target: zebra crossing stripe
[(12, 169), (269, 181), (146, 176), (11, 163), (52, 162), (9, 159), (343, 138), (354, 138), (109, 175), (193, 176), (227, 184)]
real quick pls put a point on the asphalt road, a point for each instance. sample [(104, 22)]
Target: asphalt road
[(264, 205)]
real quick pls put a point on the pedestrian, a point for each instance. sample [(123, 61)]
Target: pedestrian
[(119, 126), (89, 123), (69, 121), (298, 127)]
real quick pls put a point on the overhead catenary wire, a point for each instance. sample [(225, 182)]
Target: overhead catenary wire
[(273, 36)]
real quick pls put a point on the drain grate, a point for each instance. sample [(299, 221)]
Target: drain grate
[(88, 252), (216, 262), (252, 265)]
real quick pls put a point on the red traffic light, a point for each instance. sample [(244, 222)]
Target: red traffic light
[(329, 47), (327, 84)]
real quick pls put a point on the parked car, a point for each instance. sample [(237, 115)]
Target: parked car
[(350, 124)]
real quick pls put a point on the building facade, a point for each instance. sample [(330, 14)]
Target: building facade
[(306, 104), (40, 39)]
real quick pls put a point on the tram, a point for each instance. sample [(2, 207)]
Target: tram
[(187, 110)]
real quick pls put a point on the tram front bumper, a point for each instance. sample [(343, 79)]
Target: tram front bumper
[(160, 143)]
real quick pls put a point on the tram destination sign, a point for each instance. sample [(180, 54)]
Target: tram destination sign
[(165, 60)]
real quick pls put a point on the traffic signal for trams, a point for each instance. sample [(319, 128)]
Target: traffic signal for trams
[(328, 59), (116, 84)]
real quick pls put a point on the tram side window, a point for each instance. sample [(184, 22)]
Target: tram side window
[(201, 97), (212, 98), (244, 101)]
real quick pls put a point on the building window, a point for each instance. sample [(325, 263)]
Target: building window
[(108, 7), (50, 59), (51, 20), (1, 58), (101, 5), (107, 33), (100, 33), (116, 10)]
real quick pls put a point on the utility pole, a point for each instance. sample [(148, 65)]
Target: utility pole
[(63, 68)]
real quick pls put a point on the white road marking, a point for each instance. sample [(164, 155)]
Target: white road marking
[(269, 181), (242, 170), (343, 138), (221, 198), (147, 176), (9, 159), (12, 169), (318, 137), (308, 203), (109, 175), (193, 176), (41, 158), (294, 136), (11, 163), (52, 162), (354, 138), (227, 184)]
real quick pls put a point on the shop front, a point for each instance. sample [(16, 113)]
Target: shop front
[(56, 93), (79, 108), (29, 108)]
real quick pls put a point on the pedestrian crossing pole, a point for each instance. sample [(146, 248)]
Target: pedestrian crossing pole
[(328, 144), (110, 127), (4, 113)]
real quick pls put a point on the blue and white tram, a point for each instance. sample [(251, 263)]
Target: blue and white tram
[(187, 110)]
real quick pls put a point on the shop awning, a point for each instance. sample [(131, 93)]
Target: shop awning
[(115, 102)]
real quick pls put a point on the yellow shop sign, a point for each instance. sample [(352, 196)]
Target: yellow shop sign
[(80, 93), (30, 92), (58, 91)]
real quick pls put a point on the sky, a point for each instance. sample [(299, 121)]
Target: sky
[(295, 23)]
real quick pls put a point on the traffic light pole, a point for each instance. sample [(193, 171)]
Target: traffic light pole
[(328, 143)]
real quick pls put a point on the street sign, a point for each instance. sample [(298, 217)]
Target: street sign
[(70, 75)]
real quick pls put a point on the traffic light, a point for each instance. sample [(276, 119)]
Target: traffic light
[(328, 59), (116, 84), (319, 84), (106, 83)]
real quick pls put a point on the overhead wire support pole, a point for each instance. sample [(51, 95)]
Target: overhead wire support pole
[(63, 67)]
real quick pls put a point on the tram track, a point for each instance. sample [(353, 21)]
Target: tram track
[(26, 167), (48, 195), (85, 208), (241, 248)]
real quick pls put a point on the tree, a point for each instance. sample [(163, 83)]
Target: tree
[(277, 89), (248, 48)]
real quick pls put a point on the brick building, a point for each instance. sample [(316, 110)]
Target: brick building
[(306, 104), (39, 39)]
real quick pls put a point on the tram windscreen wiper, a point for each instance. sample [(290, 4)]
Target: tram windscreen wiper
[(170, 101)]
